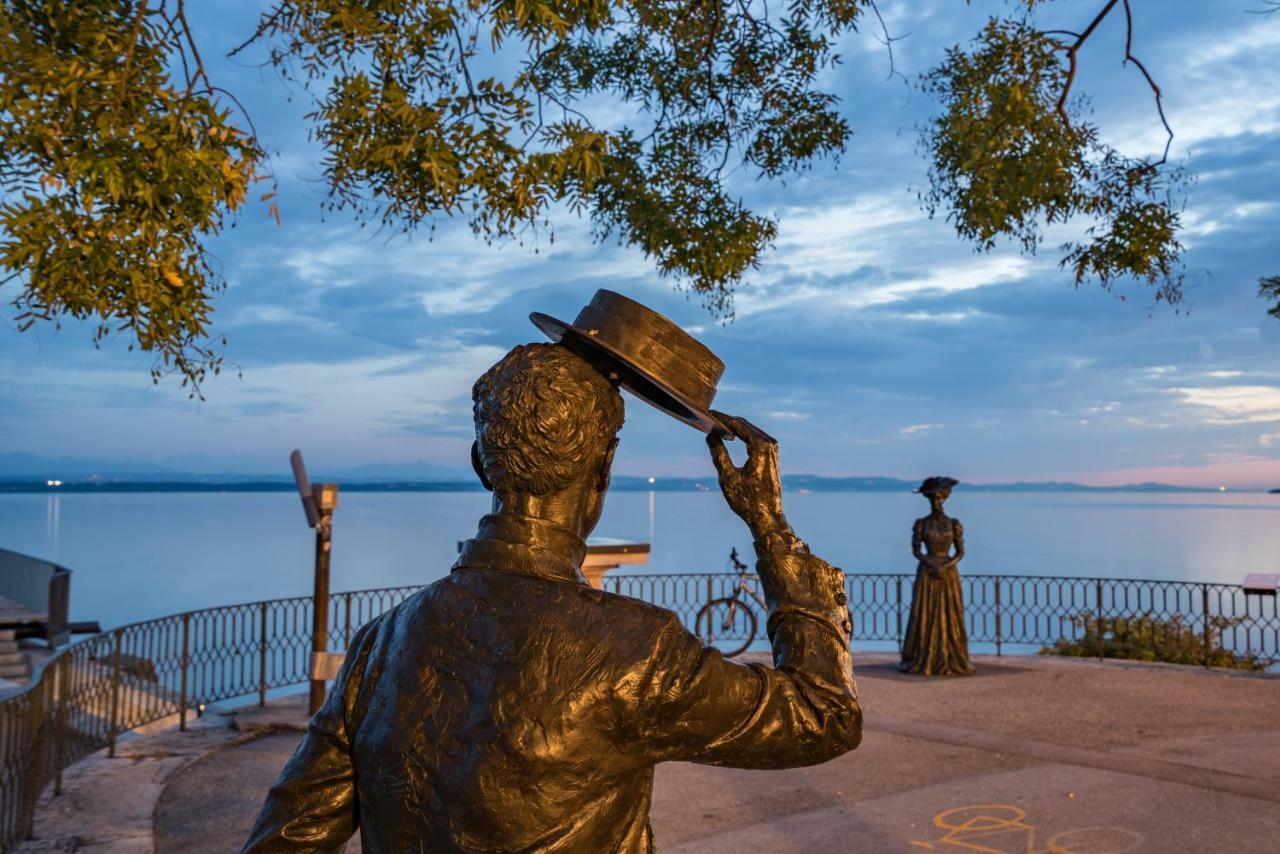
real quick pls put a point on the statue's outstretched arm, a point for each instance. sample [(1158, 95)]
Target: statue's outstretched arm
[(696, 706), (312, 807)]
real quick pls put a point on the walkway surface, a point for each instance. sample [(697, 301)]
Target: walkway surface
[(1033, 754)]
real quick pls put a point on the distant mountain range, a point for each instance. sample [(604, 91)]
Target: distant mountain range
[(819, 483), (74, 470), (77, 478), (30, 473)]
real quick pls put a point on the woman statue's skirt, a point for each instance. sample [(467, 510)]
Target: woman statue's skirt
[(936, 643)]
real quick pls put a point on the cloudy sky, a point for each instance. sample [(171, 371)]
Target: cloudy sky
[(871, 342)]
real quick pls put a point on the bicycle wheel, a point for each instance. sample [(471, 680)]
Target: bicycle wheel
[(728, 624)]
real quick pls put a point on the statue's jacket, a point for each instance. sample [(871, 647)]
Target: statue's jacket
[(512, 708)]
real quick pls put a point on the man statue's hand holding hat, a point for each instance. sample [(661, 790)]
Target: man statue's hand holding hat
[(667, 368)]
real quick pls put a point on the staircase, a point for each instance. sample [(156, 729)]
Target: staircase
[(13, 661)]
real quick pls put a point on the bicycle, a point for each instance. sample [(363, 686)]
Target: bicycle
[(731, 618)]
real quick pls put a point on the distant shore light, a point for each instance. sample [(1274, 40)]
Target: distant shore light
[(653, 480), (53, 483), (1222, 489)]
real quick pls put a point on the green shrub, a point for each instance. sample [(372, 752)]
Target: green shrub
[(1149, 638)]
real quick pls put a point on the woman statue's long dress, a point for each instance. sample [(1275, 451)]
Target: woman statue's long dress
[(936, 643)]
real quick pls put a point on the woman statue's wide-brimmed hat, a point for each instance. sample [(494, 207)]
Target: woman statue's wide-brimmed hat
[(646, 353), (936, 484)]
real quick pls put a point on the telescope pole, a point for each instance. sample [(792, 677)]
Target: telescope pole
[(326, 499)]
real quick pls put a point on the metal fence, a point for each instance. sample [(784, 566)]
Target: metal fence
[(97, 689), (1024, 612), (93, 691)]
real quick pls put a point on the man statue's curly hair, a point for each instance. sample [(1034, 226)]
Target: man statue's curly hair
[(543, 414)]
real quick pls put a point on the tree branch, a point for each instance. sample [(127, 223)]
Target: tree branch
[(1129, 57), (888, 43), (264, 25), (1072, 65), (175, 39), (180, 15), (1071, 58), (462, 63), (135, 34)]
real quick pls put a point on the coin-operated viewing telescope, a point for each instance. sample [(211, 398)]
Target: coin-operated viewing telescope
[(319, 502)]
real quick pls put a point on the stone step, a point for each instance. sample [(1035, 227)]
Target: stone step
[(8, 646), (8, 634), (13, 658), (13, 671)]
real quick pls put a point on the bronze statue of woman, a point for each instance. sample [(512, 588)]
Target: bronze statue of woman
[(936, 643)]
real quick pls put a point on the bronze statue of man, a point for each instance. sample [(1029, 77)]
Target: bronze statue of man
[(511, 707)]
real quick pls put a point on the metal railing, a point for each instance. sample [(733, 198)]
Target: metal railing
[(1025, 612), (89, 694)]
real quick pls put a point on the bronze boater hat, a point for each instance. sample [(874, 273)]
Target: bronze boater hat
[(646, 353)]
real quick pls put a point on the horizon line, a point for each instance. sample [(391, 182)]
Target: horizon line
[(628, 483)]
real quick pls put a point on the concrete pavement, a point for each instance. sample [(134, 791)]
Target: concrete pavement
[(1034, 754)]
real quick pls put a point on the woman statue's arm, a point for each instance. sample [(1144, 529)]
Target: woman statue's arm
[(957, 539), (917, 539)]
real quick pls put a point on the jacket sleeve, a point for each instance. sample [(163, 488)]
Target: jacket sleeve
[(696, 706), (312, 807)]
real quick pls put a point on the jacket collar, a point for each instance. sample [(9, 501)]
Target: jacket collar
[(526, 546)]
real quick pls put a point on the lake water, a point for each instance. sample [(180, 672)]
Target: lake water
[(137, 556)]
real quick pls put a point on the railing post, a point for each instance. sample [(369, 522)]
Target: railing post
[(998, 625), (711, 590), (1208, 632), (899, 629), (186, 664), (60, 739), (29, 775), (262, 657), (346, 620), (115, 696), (1101, 641)]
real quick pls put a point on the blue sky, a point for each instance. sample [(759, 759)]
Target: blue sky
[(872, 341)]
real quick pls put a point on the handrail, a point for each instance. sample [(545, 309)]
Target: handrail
[(85, 696), (90, 693), (1027, 611)]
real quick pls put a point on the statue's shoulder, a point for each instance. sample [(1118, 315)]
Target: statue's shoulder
[(635, 616), (624, 631), (956, 526), (629, 606)]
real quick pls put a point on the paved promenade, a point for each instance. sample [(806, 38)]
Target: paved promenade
[(1033, 754)]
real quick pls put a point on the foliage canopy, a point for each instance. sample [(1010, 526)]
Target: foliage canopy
[(112, 175), (1007, 161), (119, 157)]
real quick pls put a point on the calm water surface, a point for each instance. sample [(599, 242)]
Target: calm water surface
[(137, 556)]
